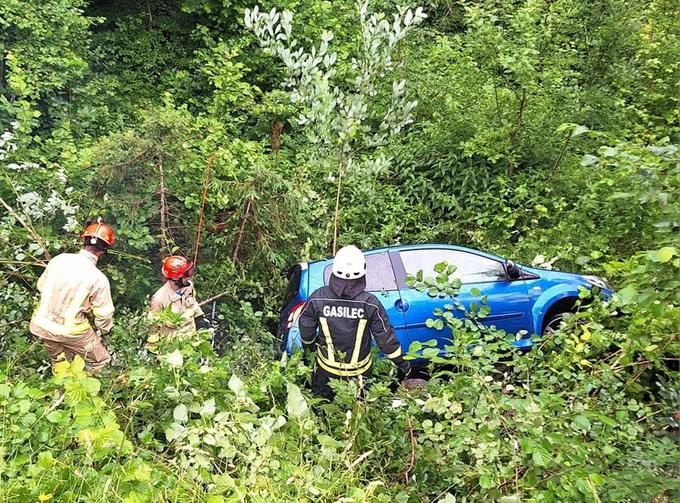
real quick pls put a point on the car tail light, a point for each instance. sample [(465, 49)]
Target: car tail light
[(294, 313)]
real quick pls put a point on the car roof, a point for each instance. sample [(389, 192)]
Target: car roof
[(425, 246)]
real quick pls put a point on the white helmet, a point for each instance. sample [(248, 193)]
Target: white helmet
[(349, 263)]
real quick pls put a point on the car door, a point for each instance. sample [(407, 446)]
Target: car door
[(508, 299), (381, 281)]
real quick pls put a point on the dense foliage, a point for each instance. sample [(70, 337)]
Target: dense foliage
[(543, 131)]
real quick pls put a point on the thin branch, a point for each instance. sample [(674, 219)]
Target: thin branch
[(164, 222), (214, 298), (28, 227), (241, 230), (127, 255), (518, 126), (337, 205), (412, 457), (562, 152), (39, 263), (148, 7), (204, 195)]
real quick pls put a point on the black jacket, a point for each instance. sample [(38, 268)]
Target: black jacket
[(347, 317)]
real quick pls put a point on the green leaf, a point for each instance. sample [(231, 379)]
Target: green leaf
[(581, 422), (174, 431), (579, 130), (175, 359), (475, 291), (429, 353), (45, 460), (296, 404), (540, 456), (328, 441), (440, 267), (91, 385), (487, 482), (180, 414), (235, 384), (663, 255), (589, 160), (415, 347), (208, 408), (57, 416), (628, 295)]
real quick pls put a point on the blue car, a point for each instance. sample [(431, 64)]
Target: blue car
[(522, 299)]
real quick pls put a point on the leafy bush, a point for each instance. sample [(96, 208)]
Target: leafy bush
[(544, 132)]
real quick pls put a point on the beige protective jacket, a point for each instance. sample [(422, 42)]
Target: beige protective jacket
[(182, 302), (71, 287)]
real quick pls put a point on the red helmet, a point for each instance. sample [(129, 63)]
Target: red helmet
[(100, 231), (177, 267)]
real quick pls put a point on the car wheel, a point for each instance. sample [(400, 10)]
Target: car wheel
[(553, 324)]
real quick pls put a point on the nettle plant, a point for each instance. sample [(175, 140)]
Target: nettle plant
[(347, 121)]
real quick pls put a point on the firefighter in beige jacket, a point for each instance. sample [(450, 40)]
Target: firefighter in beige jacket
[(71, 289), (177, 295)]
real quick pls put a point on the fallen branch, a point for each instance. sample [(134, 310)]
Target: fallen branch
[(354, 463), (412, 457), (213, 298)]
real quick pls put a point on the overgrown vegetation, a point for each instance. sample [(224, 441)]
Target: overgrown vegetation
[(545, 132)]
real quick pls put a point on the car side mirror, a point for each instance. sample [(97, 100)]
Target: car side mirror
[(511, 270)]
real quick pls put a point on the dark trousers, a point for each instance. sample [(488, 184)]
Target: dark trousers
[(321, 379)]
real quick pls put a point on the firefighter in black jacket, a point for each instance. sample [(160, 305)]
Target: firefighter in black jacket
[(347, 317)]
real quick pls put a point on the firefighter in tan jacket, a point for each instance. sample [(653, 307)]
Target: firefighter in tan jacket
[(177, 296), (71, 289)]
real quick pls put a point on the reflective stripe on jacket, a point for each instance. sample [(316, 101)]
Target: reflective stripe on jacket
[(71, 287), (346, 326), (181, 301)]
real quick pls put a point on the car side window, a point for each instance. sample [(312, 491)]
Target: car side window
[(470, 268), (379, 273)]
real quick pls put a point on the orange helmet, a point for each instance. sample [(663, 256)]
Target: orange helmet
[(100, 231), (177, 267)]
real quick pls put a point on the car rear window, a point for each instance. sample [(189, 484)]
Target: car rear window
[(379, 273)]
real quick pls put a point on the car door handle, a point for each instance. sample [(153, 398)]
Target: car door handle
[(401, 305)]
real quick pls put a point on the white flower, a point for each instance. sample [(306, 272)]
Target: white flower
[(32, 204), (71, 224)]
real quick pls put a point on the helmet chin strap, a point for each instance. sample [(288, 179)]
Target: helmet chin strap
[(181, 282)]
